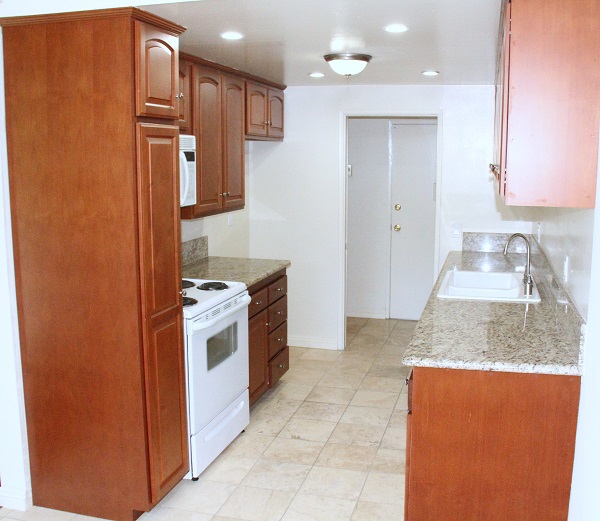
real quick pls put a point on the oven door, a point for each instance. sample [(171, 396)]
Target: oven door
[(217, 360)]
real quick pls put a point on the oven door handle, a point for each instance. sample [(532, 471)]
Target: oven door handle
[(205, 324)]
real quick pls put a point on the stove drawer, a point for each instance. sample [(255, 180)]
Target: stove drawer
[(277, 313), (260, 301), (277, 340), (279, 366)]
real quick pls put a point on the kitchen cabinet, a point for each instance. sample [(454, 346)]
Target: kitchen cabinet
[(547, 104), (97, 256), (218, 124), (489, 445), (269, 353), (264, 112), (156, 71), (185, 97)]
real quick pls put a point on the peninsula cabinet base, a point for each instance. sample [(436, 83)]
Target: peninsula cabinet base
[(490, 446)]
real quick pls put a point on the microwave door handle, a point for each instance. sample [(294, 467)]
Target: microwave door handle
[(243, 302), (184, 174)]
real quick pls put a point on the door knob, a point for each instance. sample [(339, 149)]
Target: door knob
[(397, 228), (397, 207)]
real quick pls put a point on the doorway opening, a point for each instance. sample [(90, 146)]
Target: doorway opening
[(391, 205)]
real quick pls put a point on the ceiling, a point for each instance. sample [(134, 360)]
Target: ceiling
[(285, 40)]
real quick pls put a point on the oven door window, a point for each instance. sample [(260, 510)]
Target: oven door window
[(221, 346)]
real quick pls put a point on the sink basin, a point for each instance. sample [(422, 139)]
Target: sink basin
[(491, 285)]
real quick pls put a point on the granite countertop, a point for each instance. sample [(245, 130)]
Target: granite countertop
[(248, 271), (496, 336)]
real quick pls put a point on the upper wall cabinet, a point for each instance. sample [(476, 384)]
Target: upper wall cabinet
[(264, 112), (157, 72), (218, 124), (548, 103)]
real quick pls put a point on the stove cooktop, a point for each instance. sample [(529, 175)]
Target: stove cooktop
[(209, 298)]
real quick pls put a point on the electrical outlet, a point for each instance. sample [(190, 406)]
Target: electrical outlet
[(456, 230), (539, 232), (229, 219)]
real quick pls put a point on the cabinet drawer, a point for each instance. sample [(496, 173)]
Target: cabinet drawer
[(278, 289), (259, 302), (277, 339), (279, 366), (277, 313)]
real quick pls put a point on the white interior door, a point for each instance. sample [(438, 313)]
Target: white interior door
[(368, 236), (413, 152)]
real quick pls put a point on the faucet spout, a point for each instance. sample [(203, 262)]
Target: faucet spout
[(527, 280)]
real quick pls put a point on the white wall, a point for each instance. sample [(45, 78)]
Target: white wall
[(296, 188)]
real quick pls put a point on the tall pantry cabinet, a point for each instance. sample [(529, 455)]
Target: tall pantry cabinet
[(91, 114)]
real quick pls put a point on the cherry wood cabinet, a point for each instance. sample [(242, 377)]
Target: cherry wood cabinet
[(157, 71), (97, 257), (547, 103), (185, 97), (490, 445), (218, 124), (264, 112), (269, 353)]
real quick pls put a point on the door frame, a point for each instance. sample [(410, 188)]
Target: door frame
[(343, 199)]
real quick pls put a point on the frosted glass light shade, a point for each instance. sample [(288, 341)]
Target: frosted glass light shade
[(347, 64)]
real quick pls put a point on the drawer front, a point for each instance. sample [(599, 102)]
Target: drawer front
[(277, 313), (277, 340), (278, 289), (279, 366), (259, 302)]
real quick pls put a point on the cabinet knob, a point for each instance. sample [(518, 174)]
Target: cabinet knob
[(179, 96), (282, 366), (268, 324), (280, 340), (258, 302), (279, 289), (279, 312), (225, 194)]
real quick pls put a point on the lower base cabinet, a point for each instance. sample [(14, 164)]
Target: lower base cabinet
[(489, 446), (267, 333)]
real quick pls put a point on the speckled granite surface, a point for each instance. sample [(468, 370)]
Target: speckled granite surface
[(194, 250), (495, 336), (248, 271)]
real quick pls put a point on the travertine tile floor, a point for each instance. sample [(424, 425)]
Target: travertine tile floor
[(326, 444)]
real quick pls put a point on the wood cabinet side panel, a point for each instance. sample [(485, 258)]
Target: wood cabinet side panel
[(258, 346), (554, 107), (494, 446), (75, 244)]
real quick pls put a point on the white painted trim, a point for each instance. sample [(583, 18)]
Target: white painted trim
[(313, 343), (343, 198), (366, 314), (438, 197), (16, 499)]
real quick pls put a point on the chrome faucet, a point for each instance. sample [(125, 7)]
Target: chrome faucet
[(527, 280)]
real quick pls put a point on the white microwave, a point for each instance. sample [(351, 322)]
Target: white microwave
[(187, 169)]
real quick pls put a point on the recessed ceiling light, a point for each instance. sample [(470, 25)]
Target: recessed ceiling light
[(396, 28), (232, 35), (316, 74), (430, 73)]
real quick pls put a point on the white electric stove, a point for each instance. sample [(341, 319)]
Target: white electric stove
[(216, 345)]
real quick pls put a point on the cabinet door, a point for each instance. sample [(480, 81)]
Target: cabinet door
[(156, 72), (233, 140), (258, 345), (256, 110), (185, 98), (209, 140), (275, 113), (553, 103), (163, 355)]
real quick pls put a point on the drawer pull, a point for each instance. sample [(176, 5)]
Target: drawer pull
[(268, 324), (279, 312), (280, 340), (258, 302), (279, 289), (282, 366)]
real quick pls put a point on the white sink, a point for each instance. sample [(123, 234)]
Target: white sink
[(491, 285)]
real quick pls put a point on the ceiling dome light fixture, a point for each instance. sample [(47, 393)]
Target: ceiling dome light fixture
[(347, 63), (232, 35)]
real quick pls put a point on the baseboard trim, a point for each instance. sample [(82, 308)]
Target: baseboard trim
[(313, 342), (365, 314), (15, 500)]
